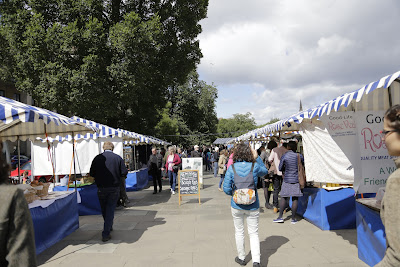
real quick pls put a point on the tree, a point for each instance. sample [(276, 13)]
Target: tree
[(167, 125), (111, 61), (238, 125), (193, 107)]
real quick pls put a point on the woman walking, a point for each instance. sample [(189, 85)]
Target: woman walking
[(290, 185), (245, 170), (172, 167), (390, 207), (223, 159)]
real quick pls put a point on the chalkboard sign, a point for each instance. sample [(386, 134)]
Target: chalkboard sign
[(188, 183)]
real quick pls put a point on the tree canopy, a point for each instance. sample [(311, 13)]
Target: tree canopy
[(236, 126), (111, 61), (193, 108)]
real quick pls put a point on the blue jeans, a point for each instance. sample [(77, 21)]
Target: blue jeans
[(221, 180), (172, 179), (108, 198), (215, 164)]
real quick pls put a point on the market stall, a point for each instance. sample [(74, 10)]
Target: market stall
[(89, 202), (55, 218), (371, 240), (137, 180), (342, 144)]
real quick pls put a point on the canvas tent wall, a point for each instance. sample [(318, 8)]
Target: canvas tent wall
[(85, 151), (86, 148)]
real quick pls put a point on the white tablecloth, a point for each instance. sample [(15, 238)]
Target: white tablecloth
[(53, 196)]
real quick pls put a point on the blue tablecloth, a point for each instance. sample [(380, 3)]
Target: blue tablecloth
[(137, 180), (90, 204), (371, 240), (55, 222), (328, 210)]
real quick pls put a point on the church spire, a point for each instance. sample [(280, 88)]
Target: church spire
[(301, 106)]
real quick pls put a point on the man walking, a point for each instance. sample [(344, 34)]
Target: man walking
[(107, 169), (214, 160), (154, 165), (195, 153)]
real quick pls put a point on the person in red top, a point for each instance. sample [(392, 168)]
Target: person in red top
[(172, 167)]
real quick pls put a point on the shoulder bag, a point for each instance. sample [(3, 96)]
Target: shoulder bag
[(301, 172)]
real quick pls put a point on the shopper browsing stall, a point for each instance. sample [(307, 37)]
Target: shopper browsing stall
[(17, 241), (390, 207)]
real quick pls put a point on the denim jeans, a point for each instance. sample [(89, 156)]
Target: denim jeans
[(252, 217), (215, 165), (221, 180), (108, 198), (172, 179)]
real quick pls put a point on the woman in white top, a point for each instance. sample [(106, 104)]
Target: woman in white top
[(274, 159)]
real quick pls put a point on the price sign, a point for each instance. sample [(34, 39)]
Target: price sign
[(188, 183)]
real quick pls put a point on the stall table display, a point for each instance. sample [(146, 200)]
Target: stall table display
[(137, 180), (89, 204), (371, 238), (54, 218), (328, 210)]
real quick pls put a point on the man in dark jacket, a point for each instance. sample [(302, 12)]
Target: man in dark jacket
[(107, 169), (195, 153), (154, 164)]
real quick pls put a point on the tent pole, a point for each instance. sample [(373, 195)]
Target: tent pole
[(134, 156), (390, 97), (73, 153), (19, 159)]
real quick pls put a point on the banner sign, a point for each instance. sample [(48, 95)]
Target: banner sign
[(375, 163)]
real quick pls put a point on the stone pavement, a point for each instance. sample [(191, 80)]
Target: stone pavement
[(155, 231)]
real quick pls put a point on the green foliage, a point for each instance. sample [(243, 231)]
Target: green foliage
[(109, 61), (167, 125), (193, 107), (238, 125)]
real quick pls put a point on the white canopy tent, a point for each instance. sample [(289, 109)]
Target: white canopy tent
[(341, 137), (86, 147), (19, 121), (22, 121)]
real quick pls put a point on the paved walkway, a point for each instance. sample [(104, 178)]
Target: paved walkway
[(156, 231)]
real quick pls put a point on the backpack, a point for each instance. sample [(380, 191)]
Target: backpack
[(245, 193), (212, 157)]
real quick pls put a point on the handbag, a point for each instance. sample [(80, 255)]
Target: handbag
[(301, 173), (175, 168)]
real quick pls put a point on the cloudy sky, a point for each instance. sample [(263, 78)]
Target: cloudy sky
[(266, 55)]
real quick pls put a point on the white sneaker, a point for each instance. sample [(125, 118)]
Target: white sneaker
[(173, 192)]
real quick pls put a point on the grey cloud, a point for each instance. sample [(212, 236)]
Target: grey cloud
[(296, 46)]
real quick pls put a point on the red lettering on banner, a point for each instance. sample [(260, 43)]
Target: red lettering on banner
[(349, 124), (371, 140)]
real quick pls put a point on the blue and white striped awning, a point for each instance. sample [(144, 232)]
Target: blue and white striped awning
[(143, 139), (373, 96), (104, 131), (19, 120)]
